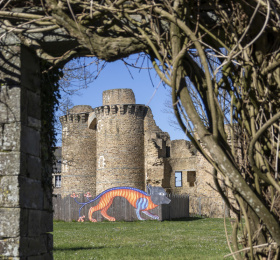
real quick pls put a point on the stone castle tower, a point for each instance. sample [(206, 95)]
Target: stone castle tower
[(119, 125), (78, 152)]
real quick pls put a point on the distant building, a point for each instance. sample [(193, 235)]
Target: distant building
[(57, 168), (119, 144)]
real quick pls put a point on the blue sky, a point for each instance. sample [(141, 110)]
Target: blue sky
[(116, 75)]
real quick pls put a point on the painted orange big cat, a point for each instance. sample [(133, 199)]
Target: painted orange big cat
[(140, 200)]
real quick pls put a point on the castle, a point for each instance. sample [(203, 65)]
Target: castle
[(119, 144)]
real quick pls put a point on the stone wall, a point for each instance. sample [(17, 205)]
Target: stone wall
[(197, 179), (78, 172), (156, 153), (25, 201), (157, 149)]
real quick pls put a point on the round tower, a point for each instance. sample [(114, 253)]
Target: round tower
[(120, 146), (78, 173), (118, 96)]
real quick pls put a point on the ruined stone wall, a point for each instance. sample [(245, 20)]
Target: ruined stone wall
[(25, 204), (78, 153), (182, 159), (120, 146), (197, 180), (154, 164), (150, 125), (157, 146)]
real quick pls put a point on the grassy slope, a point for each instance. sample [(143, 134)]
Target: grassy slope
[(188, 239)]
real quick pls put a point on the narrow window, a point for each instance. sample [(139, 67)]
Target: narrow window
[(167, 151), (178, 179), (57, 181)]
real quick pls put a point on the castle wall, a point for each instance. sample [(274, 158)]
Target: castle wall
[(154, 163), (197, 179), (157, 146), (182, 159), (78, 173)]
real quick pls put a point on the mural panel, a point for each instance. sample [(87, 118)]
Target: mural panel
[(140, 200)]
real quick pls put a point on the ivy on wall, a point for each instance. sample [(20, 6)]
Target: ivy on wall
[(49, 105)]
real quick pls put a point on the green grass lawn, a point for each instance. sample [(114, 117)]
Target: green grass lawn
[(192, 238)]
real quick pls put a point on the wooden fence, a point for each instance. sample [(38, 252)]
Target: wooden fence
[(65, 208), (212, 207)]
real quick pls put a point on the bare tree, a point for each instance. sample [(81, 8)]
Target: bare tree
[(77, 74), (224, 54)]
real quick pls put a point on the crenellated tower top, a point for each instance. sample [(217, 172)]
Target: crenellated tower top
[(122, 109), (77, 114)]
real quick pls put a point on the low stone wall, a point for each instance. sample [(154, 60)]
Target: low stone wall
[(67, 209)]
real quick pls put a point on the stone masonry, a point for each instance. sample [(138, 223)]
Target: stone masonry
[(25, 206), (123, 146), (25, 174)]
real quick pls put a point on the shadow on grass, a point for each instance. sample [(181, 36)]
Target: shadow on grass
[(78, 248), (186, 219)]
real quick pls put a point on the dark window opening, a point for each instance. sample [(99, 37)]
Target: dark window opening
[(167, 151), (191, 178)]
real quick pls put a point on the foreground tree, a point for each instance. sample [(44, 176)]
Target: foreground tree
[(221, 60)]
